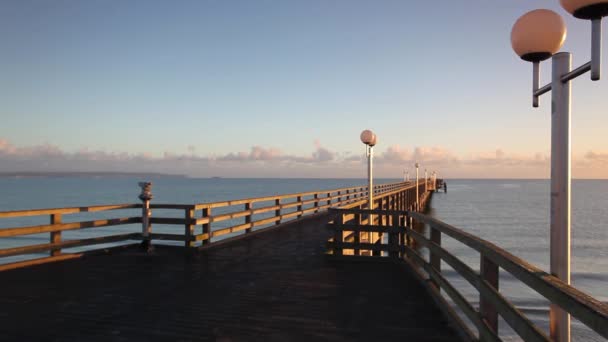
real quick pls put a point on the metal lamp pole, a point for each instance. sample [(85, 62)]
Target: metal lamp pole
[(537, 36), (370, 174), (369, 139), (417, 165)]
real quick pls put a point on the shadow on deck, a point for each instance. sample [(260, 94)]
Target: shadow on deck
[(276, 286)]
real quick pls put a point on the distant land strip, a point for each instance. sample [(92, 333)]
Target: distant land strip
[(41, 174)]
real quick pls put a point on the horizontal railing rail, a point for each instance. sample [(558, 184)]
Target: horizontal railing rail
[(405, 239), (56, 226), (63, 211), (215, 219), (300, 204)]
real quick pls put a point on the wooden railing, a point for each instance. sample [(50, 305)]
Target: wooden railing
[(56, 226), (284, 207), (353, 234), (404, 244), (216, 220)]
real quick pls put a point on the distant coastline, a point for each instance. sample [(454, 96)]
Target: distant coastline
[(27, 174)]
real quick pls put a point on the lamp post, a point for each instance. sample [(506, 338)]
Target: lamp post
[(417, 165), (369, 139), (537, 36)]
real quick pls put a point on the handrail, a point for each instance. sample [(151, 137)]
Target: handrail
[(588, 310), (69, 210), (585, 308), (361, 189), (283, 208), (60, 227), (344, 196)]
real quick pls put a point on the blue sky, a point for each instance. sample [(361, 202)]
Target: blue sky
[(220, 82)]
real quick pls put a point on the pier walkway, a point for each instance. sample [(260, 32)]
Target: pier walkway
[(276, 286), (326, 265)]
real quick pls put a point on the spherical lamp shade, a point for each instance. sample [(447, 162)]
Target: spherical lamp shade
[(538, 34), (586, 9), (368, 137), (374, 140)]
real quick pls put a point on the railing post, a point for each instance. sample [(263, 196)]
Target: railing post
[(410, 198), (248, 206), (399, 199), (357, 235), (55, 236), (207, 226), (408, 223), (329, 199), (277, 213), (316, 197), (347, 195), (338, 234), (299, 199), (339, 198), (383, 206), (402, 224), (393, 238), (189, 228), (397, 203), (489, 274), (377, 220), (145, 196), (435, 259)]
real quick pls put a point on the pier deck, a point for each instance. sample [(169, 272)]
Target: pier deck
[(278, 286)]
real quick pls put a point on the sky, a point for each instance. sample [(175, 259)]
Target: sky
[(270, 88)]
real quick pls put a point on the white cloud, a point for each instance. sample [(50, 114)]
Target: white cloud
[(262, 161)]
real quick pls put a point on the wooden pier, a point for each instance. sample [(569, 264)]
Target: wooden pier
[(308, 266)]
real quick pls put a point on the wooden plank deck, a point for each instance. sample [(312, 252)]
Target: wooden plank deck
[(275, 286)]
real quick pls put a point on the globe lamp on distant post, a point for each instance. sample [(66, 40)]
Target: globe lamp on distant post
[(536, 36)]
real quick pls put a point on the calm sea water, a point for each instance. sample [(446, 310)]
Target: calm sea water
[(514, 214)]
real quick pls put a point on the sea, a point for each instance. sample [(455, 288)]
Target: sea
[(513, 214)]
